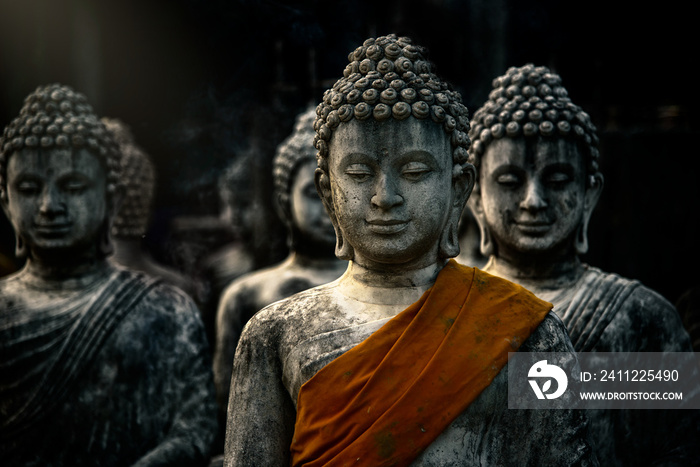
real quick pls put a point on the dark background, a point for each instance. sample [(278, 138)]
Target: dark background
[(203, 82)]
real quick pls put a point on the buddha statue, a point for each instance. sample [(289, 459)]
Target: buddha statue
[(235, 193), (130, 223), (403, 359), (311, 260), (539, 180), (99, 365), (235, 258)]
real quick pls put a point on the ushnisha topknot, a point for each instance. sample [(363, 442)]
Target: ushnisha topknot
[(138, 178), (530, 101), (55, 116), (390, 77), (292, 152)]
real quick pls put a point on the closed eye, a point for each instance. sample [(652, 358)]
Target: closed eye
[(75, 186), (415, 171), (508, 179), (28, 187), (358, 172), (558, 178), (558, 175)]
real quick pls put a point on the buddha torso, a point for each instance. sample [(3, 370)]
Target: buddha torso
[(292, 339), (604, 312), (629, 317), (136, 389)]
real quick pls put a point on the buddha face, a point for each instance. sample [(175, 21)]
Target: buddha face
[(392, 190), (56, 198), (533, 195), (308, 214)]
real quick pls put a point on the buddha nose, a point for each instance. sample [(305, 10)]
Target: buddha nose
[(534, 198), (51, 202), (386, 194)]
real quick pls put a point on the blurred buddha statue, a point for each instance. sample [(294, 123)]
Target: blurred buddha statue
[(99, 364), (235, 258), (130, 224)]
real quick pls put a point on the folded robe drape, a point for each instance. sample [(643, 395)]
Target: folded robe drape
[(384, 401), (77, 345)]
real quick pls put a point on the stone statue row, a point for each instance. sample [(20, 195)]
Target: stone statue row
[(370, 344)]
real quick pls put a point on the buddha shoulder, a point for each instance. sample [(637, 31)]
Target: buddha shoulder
[(656, 321), (310, 304), (307, 312)]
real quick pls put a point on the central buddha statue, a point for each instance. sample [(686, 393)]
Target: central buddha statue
[(539, 181), (403, 359), (99, 365)]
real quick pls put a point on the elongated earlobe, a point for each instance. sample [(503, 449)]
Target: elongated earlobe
[(462, 185), (343, 249), (581, 240), (21, 250), (105, 246), (593, 191), (284, 213), (486, 245), (449, 240)]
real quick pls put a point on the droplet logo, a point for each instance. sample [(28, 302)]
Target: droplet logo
[(542, 370)]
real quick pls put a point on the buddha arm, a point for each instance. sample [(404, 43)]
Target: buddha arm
[(190, 398), (261, 415), (233, 311), (670, 436)]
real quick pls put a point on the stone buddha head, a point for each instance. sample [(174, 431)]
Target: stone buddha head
[(295, 196), (138, 176), (235, 188), (392, 157), (537, 158), (59, 176)]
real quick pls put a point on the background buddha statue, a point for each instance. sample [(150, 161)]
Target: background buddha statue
[(311, 260), (130, 223), (539, 181), (375, 365), (235, 258), (98, 364)]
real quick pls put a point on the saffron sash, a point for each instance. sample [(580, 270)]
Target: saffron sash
[(385, 400)]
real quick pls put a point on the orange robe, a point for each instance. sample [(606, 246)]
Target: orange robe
[(384, 401)]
